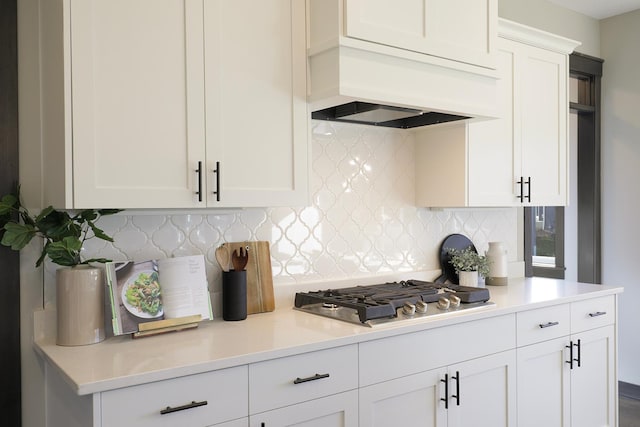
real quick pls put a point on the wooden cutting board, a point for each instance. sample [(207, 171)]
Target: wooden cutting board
[(260, 297)]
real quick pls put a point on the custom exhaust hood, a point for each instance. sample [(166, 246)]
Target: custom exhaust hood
[(356, 82), (383, 115)]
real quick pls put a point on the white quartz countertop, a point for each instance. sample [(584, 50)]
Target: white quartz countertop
[(122, 361)]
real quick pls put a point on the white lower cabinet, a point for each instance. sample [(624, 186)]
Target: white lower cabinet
[(338, 410), (550, 366), (553, 393), (415, 398), (194, 401), (483, 393), (478, 392), (310, 389), (593, 400), (242, 422), (569, 380)]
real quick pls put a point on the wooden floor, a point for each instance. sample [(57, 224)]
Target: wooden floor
[(629, 412)]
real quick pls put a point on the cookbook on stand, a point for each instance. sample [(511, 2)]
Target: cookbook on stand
[(155, 296)]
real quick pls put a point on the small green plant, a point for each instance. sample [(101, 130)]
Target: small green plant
[(468, 260), (63, 234)]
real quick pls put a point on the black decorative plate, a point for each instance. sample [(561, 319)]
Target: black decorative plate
[(452, 241)]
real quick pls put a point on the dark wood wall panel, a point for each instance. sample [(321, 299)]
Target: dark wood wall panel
[(10, 389)]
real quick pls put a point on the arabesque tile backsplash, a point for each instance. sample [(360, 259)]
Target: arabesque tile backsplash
[(362, 220)]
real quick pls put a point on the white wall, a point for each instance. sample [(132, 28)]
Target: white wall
[(554, 19), (620, 178)]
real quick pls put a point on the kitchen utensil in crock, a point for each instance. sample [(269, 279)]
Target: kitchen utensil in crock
[(222, 256), (452, 241), (239, 258)]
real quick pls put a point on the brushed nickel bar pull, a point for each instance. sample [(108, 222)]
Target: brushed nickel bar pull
[(548, 324), (313, 378), (193, 404), (597, 313)]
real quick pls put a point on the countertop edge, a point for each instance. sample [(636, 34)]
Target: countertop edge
[(329, 334)]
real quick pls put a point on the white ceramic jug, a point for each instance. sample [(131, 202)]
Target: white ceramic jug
[(498, 268)]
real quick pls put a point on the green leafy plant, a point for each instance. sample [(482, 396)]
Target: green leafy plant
[(468, 260), (63, 234)]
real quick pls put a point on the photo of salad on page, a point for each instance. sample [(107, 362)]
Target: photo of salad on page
[(147, 291)]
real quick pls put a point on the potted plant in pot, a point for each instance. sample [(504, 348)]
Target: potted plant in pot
[(468, 265), (79, 286)]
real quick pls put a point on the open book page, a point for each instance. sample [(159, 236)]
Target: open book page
[(134, 294), (184, 287), (148, 291)]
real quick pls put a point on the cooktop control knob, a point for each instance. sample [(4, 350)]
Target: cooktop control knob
[(455, 301), (443, 303), (421, 307), (409, 309)]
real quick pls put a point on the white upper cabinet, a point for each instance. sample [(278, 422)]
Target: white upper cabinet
[(434, 27), (518, 159), (137, 81), (544, 107), (167, 101), (256, 109)]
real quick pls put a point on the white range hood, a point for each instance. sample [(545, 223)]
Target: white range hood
[(355, 80)]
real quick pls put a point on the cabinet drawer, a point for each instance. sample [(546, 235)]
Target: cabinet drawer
[(225, 393), (398, 356), (543, 324), (294, 379), (593, 313)]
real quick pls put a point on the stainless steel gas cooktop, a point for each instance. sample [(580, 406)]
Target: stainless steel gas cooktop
[(374, 305)]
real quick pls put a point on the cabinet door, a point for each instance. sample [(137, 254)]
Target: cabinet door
[(482, 392), (542, 85), (256, 111), (192, 401), (338, 410), (492, 164), (434, 27), (242, 422), (416, 399), (137, 102), (593, 399), (544, 384)]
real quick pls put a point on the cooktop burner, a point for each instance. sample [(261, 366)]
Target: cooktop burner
[(388, 302)]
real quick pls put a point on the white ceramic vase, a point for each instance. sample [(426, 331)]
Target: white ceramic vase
[(468, 278), (498, 265), (80, 305)]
